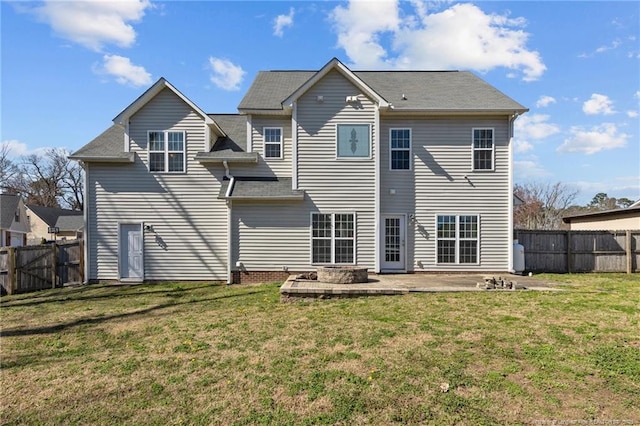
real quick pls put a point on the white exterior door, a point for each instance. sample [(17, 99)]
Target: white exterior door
[(394, 246), (131, 251)]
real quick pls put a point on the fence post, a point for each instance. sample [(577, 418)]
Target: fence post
[(628, 251), (54, 265), (11, 267), (569, 252)]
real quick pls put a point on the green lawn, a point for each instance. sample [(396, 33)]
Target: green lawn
[(213, 354)]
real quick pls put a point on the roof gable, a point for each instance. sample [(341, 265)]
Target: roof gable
[(151, 93), (9, 204), (335, 64), (50, 215)]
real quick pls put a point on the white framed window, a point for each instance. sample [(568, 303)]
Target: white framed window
[(457, 239), (333, 238), (482, 147), (272, 142), (167, 151), (400, 149), (353, 141)]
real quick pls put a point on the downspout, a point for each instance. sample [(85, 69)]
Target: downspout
[(512, 119), (232, 181), (85, 213)]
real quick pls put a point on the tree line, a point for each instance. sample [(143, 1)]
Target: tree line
[(47, 179), (545, 204)]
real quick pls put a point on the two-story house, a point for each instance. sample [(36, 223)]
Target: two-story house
[(398, 171)]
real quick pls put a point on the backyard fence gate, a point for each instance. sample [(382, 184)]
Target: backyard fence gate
[(31, 268)]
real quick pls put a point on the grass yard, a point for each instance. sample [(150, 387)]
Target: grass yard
[(212, 354)]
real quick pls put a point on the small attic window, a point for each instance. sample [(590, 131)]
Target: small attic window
[(17, 216)]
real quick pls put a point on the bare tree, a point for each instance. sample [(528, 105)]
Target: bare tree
[(544, 204), (8, 169), (49, 179)]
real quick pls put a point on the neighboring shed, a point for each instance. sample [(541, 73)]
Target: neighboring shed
[(610, 220), (70, 223), (14, 224)]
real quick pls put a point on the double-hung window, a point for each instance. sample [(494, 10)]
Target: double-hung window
[(400, 149), (166, 151), (483, 143), (457, 238), (332, 238), (272, 142)]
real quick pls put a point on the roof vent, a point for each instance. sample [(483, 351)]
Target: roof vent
[(404, 98)]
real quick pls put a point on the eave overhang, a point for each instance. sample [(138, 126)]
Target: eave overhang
[(219, 157)]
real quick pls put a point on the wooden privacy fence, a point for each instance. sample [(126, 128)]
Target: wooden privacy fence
[(580, 251), (31, 268)]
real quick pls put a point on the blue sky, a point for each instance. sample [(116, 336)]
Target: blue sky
[(69, 67)]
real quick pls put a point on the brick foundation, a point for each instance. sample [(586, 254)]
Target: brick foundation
[(255, 277)]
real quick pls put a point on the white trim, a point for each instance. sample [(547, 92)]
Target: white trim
[(457, 239), (333, 238), (249, 133), (265, 143), (376, 190), (229, 242), (87, 227), (369, 157), (405, 227), (151, 93), (346, 72), (127, 137), (120, 252), (401, 149), (510, 194), (294, 146), (493, 149), (167, 152), (207, 138)]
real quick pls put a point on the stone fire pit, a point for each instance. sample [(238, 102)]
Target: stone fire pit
[(342, 274)]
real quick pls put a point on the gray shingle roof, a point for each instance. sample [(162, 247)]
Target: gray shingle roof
[(51, 215), (70, 223), (235, 126), (108, 146), (424, 90), (8, 206), (255, 188)]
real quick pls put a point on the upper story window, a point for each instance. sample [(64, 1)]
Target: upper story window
[(483, 149), (166, 151), (400, 149), (272, 142), (353, 141)]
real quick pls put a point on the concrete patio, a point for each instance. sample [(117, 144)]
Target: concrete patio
[(397, 284)]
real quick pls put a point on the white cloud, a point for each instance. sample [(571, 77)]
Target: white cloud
[(281, 22), (124, 71), (359, 37), (94, 23), (545, 101), (598, 104), (529, 169), (462, 36), (598, 138), (637, 95), (15, 148), (522, 146), (535, 126), (226, 75), (632, 114)]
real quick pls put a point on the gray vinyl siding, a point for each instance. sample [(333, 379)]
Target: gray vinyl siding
[(267, 236), (337, 185), (190, 223), (271, 166), (442, 156)]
